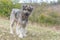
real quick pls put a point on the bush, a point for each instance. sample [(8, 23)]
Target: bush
[(6, 6), (43, 15), (40, 14)]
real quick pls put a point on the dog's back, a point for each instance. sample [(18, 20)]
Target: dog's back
[(15, 14)]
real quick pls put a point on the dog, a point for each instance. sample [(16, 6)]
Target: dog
[(20, 17)]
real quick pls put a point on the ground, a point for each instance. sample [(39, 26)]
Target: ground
[(35, 32)]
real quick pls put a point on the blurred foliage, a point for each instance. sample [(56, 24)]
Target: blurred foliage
[(15, 1), (45, 15), (58, 1), (41, 13), (6, 7)]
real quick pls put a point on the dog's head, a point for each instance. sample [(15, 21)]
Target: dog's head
[(27, 9)]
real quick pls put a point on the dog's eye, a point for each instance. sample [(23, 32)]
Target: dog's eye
[(24, 8)]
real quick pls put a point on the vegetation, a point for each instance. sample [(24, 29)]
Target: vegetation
[(44, 14), (41, 13), (6, 7), (58, 1), (34, 32)]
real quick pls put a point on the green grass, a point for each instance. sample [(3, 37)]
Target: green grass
[(35, 32)]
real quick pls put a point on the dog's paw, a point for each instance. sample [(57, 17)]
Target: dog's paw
[(17, 33), (21, 36), (11, 33), (24, 35)]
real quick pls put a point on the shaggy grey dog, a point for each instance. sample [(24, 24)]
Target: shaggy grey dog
[(20, 16)]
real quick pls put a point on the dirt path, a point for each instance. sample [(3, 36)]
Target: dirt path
[(35, 32)]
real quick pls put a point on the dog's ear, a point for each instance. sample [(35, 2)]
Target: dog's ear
[(31, 8), (24, 6)]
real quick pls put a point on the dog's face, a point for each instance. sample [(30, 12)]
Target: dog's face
[(27, 10)]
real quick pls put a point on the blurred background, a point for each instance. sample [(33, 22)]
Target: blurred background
[(45, 11), (45, 17)]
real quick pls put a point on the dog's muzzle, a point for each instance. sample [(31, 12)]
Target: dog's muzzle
[(26, 14)]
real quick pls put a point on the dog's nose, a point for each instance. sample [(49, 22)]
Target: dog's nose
[(27, 14)]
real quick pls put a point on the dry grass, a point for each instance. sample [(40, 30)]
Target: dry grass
[(35, 32)]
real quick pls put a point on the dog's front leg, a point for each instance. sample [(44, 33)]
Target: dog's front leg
[(17, 29), (21, 30), (24, 31), (11, 27)]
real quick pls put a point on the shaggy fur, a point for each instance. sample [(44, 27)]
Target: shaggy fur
[(20, 16)]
